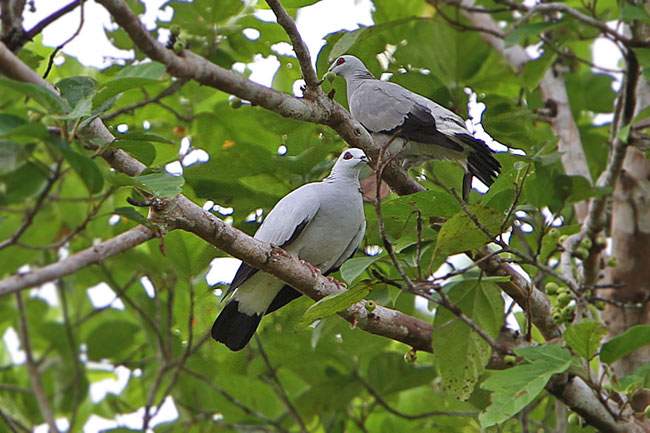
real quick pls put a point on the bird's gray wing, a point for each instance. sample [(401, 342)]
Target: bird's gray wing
[(384, 107), (288, 218), (350, 250)]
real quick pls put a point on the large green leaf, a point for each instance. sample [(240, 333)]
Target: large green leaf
[(111, 339), (514, 388), (462, 354), (332, 304), (47, 99), (626, 343), (585, 338), (460, 233)]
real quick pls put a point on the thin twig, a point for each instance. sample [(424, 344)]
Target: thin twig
[(66, 42), (32, 368), (9, 421), (279, 389), (61, 242), (74, 350), (38, 28), (173, 88), (299, 46), (29, 218), (396, 412), (234, 401), (568, 10)]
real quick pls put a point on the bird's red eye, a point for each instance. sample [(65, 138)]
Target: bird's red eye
[(347, 155), (340, 61)]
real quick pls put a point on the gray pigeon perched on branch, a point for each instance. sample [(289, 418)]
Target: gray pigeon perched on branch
[(423, 129), (321, 223)]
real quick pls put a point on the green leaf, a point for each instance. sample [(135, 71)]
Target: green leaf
[(625, 343), (585, 338), (85, 167), (149, 70), (161, 184), (47, 99), (526, 30), (290, 4), (332, 304), (516, 387), (631, 12), (21, 184), (355, 267), (534, 70), (76, 89), (178, 253), (129, 78), (9, 155), (110, 339), (460, 233), (143, 151), (350, 39), (461, 365), (133, 215)]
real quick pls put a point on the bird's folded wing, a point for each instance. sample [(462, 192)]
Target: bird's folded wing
[(283, 225), (351, 248)]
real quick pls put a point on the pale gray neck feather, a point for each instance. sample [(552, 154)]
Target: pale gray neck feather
[(347, 176)]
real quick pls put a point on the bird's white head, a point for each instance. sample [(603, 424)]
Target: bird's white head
[(349, 164), (349, 66)]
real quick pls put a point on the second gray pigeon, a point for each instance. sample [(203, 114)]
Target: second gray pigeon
[(423, 130), (321, 223)]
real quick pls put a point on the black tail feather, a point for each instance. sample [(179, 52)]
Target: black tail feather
[(480, 161), (286, 295), (233, 328), (467, 185)]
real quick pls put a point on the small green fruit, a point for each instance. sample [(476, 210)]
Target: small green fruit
[(567, 313), (600, 305), (329, 76), (554, 233), (370, 306), (586, 243), (563, 299), (179, 46), (612, 262), (581, 252), (175, 30), (557, 316), (509, 360), (573, 419), (552, 288), (411, 356), (235, 103), (647, 411), (563, 238)]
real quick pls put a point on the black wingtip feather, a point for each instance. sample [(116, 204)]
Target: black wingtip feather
[(233, 328)]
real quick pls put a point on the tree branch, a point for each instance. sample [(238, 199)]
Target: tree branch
[(32, 368), (38, 28), (568, 10), (95, 254), (12, 22), (299, 47)]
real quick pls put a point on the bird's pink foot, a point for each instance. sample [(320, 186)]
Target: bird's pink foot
[(339, 284), (314, 270)]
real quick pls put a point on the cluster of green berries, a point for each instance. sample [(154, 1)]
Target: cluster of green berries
[(179, 43), (562, 311)]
